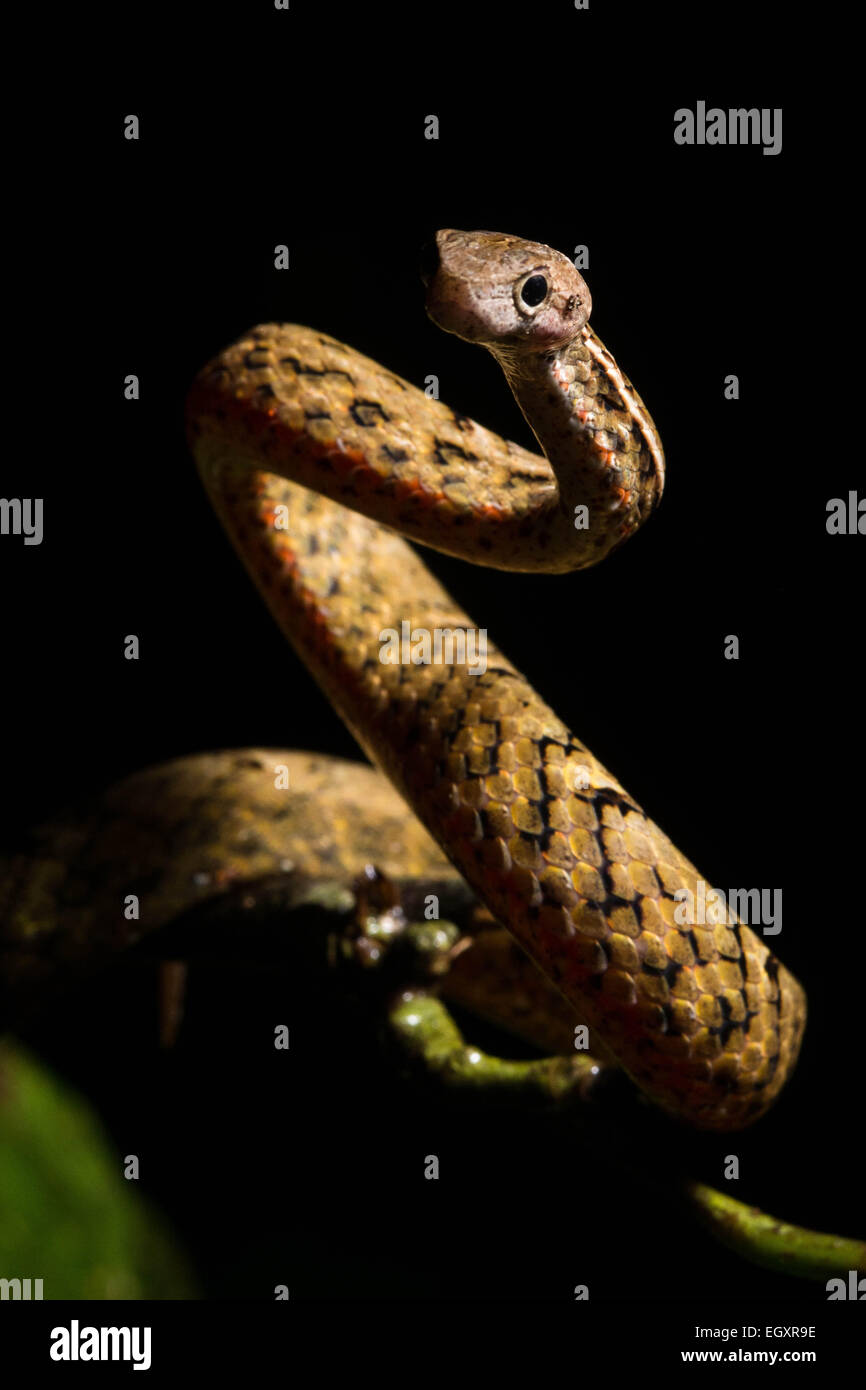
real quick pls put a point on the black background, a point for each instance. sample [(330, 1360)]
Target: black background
[(259, 128)]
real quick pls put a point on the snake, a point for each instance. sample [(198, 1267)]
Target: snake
[(322, 466)]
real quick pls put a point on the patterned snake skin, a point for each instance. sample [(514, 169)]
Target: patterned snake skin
[(287, 423)]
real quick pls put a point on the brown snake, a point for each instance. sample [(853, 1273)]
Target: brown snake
[(290, 429)]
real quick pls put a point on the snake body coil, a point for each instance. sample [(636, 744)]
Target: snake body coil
[(287, 425)]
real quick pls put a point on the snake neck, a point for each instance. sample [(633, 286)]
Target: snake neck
[(596, 432)]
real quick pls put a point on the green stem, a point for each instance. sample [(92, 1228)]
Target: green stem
[(427, 1033), (775, 1244)]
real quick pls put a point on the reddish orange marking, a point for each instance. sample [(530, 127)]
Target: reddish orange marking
[(413, 489)]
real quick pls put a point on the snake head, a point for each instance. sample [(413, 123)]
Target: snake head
[(503, 292)]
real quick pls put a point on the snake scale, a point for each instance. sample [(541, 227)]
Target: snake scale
[(315, 458)]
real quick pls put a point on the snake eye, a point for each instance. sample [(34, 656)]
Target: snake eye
[(532, 292)]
